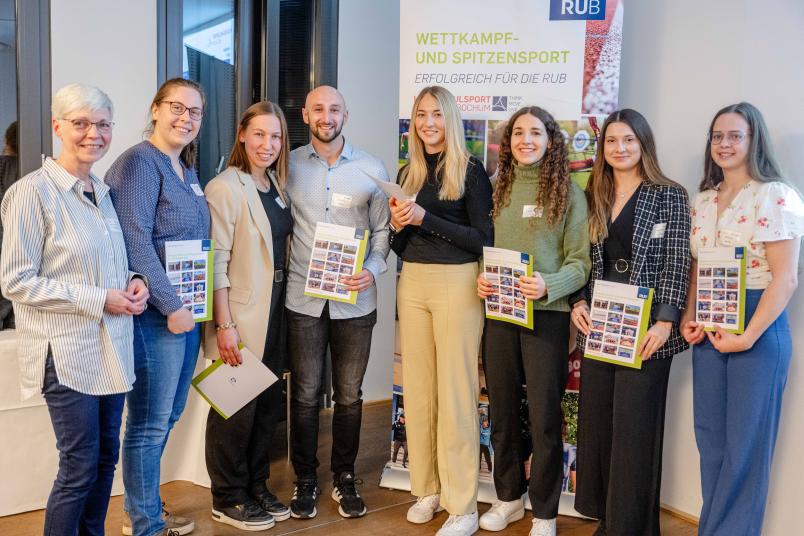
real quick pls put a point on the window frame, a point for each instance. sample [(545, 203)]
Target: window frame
[(33, 84)]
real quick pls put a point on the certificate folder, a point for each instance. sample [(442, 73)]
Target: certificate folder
[(227, 389), (720, 292), (620, 316)]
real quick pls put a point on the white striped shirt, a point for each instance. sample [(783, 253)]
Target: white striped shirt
[(60, 253)]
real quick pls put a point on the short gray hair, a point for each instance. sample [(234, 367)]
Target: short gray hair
[(78, 96)]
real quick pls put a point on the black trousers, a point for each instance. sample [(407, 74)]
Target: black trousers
[(620, 436), (238, 448), (513, 355)]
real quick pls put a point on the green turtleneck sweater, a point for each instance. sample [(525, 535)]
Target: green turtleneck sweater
[(560, 251)]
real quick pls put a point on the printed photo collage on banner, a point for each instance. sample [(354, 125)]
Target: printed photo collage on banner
[(495, 65)]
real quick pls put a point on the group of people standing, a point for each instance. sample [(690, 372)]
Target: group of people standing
[(99, 322)]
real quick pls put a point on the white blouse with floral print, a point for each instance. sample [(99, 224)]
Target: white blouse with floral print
[(760, 212)]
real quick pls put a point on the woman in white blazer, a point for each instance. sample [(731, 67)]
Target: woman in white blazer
[(251, 223)]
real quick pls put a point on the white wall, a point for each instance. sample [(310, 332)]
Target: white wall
[(110, 44), (682, 61), (368, 76)]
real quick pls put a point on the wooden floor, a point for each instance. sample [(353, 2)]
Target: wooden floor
[(387, 508)]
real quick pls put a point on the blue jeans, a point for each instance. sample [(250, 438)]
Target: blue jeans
[(87, 431), (737, 404), (164, 364), (349, 341)]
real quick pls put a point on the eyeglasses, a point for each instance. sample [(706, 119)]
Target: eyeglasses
[(178, 108), (83, 125), (734, 136)]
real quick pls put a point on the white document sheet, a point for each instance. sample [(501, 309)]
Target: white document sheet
[(227, 389)]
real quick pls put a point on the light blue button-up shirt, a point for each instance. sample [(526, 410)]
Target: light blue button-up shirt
[(311, 186)]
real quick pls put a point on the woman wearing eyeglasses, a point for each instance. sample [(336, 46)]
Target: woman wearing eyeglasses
[(158, 198), (64, 268), (738, 380)]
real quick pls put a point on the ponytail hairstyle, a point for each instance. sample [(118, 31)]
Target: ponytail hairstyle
[(239, 159), (190, 151), (452, 163), (554, 177)]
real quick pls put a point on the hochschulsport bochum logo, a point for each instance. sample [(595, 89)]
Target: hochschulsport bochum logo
[(488, 103)]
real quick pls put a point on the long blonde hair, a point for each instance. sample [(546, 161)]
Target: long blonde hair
[(452, 163), (600, 190)]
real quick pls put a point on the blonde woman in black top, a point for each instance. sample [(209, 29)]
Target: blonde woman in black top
[(440, 238)]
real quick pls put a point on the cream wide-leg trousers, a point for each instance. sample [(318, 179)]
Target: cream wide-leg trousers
[(441, 323)]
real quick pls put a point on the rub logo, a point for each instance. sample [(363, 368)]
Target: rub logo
[(499, 104), (577, 9)]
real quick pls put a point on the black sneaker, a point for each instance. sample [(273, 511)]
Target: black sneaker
[(305, 495), (249, 516), (271, 504), (346, 495)]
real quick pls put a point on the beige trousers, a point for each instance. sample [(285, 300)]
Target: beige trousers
[(441, 322)]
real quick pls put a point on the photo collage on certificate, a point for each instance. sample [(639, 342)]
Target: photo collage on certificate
[(337, 252), (188, 265), (503, 268), (720, 295), (619, 315)]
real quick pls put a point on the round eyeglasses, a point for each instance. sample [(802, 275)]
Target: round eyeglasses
[(177, 108)]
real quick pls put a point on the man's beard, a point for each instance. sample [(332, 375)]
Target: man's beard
[(336, 131)]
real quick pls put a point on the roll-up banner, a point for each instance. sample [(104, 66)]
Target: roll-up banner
[(496, 57)]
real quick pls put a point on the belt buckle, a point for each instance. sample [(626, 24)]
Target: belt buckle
[(279, 276), (624, 265)]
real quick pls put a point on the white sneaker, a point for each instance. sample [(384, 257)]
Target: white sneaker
[(424, 509), (501, 514), (543, 527), (463, 525)]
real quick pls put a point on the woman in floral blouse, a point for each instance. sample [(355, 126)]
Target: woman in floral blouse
[(738, 380)]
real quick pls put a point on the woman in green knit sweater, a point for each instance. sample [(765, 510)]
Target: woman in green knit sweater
[(540, 211)]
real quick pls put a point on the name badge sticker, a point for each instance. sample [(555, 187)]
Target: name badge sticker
[(658, 230), (532, 211), (727, 237), (113, 225), (341, 200), (197, 189), (281, 203)]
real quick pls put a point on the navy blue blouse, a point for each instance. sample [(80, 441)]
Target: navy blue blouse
[(155, 206)]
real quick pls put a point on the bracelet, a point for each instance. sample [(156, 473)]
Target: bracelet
[(225, 325)]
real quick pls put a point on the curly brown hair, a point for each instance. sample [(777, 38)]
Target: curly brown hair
[(554, 177)]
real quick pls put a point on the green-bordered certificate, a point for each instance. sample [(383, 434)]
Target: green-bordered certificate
[(720, 299), (620, 315), (227, 389), (188, 264), (338, 252), (503, 268)]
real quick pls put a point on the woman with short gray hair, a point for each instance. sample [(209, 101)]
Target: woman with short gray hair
[(64, 268)]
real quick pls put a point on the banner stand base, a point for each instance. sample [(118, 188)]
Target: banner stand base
[(393, 477)]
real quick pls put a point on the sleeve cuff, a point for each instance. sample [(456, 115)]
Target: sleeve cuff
[(90, 302), (375, 266), (558, 286), (664, 312)]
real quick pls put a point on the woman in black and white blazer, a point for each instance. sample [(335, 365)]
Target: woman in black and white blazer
[(639, 226)]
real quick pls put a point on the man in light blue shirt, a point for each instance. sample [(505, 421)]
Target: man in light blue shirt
[(329, 183)]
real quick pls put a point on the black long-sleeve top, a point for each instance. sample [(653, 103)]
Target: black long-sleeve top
[(452, 232)]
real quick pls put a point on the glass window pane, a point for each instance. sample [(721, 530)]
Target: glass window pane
[(9, 168), (294, 65), (209, 58)]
